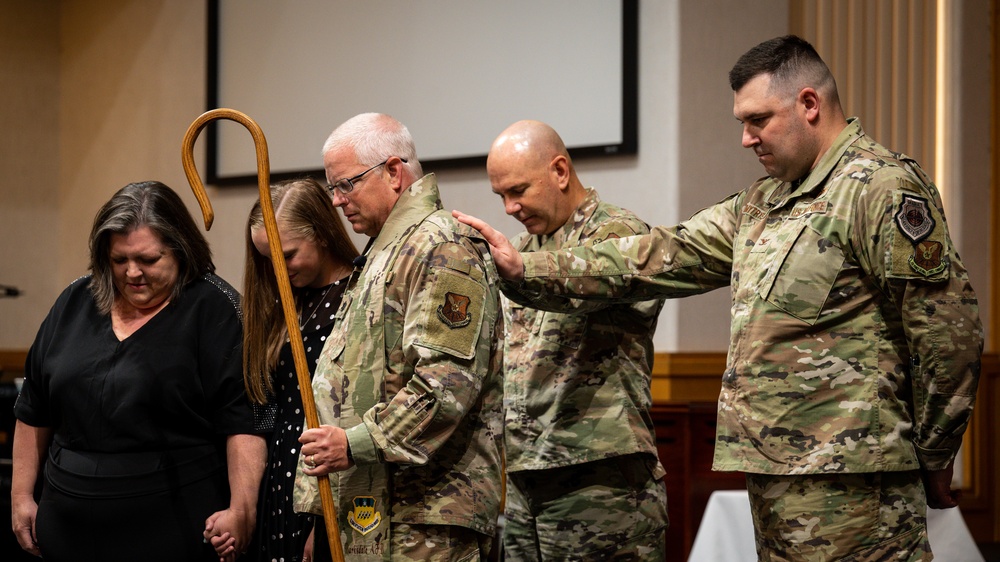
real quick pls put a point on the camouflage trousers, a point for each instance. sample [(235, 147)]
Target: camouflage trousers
[(851, 517), (611, 509), (437, 543)]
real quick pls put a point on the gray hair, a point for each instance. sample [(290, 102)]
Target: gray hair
[(375, 137)]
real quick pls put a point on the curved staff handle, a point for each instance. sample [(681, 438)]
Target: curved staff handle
[(280, 272)]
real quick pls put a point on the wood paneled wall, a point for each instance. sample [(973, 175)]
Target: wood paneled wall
[(883, 55)]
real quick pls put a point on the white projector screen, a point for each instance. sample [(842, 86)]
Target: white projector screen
[(456, 72)]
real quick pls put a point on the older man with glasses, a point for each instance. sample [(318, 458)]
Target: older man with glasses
[(408, 386)]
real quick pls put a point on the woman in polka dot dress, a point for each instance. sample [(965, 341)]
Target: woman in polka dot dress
[(318, 254)]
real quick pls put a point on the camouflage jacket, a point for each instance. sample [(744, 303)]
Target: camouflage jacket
[(855, 341), (412, 371), (576, 385)]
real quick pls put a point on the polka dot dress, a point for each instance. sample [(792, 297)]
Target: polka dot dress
[(281, 533)]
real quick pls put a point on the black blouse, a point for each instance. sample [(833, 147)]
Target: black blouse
[(175, 383)]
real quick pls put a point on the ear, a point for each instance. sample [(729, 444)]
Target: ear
[(559, 170), (396, 171), (810, 102)]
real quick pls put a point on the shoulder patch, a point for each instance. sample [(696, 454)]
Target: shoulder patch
[(918, 244), (453, 313), (914, 218), (926, 259)]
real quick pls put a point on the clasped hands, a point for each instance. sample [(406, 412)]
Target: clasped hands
[(229, 532)]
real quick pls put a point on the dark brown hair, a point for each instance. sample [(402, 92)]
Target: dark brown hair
[(151, 204)]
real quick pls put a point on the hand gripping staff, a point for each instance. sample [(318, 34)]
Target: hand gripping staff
[(280, 272)]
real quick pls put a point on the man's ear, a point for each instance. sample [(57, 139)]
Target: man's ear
[(810, 102), (396, 171), (559, 170)]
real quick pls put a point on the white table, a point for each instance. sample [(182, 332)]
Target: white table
[(726, 532)]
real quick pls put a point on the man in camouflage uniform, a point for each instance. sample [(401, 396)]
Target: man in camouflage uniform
[(855, 343), (583, 479), (408, 386)]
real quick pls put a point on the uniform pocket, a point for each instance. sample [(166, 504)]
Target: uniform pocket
[(807, 272)]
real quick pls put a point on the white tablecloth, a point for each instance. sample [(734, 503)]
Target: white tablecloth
[(726, 532)]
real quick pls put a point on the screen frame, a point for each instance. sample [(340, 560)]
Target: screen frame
[(629, 144)]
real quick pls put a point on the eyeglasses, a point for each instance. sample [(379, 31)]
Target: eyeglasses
[(346, 185)]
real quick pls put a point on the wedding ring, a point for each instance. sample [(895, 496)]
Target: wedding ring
[(310, 461)]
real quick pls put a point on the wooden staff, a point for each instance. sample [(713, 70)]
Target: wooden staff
[(280, 272)]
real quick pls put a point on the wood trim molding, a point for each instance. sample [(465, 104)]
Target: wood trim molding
[(12, 359), (994, 342), (687, 377), (689, 364)]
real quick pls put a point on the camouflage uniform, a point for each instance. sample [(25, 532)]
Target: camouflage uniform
[(864, 516), (577, 394), (855, 341), (412, 372)]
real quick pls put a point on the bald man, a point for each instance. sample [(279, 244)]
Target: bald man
[(583, 478)]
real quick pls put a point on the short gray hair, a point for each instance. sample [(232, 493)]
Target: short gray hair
[(375, 137)]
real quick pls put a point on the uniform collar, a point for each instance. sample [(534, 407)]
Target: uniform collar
[(571, 230), (780, 192), (414, 205)]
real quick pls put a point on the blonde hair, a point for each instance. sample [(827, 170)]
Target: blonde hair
[(304, 207)]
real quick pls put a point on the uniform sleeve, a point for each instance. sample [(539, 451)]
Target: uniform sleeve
[(910, 253), (693, 257), (615, 228), (449, 308)]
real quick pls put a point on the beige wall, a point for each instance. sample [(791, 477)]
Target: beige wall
[(132, 79), (107, 88), (30, 229), (711, 162)]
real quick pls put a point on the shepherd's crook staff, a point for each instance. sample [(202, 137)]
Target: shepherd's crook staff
[(280, 272)]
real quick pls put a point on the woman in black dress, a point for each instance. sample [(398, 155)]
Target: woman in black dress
[(318, 254), (133, 415)]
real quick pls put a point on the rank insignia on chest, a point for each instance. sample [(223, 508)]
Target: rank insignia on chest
[(914, 218), (926, 259), (454, 312), (363, 518)]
